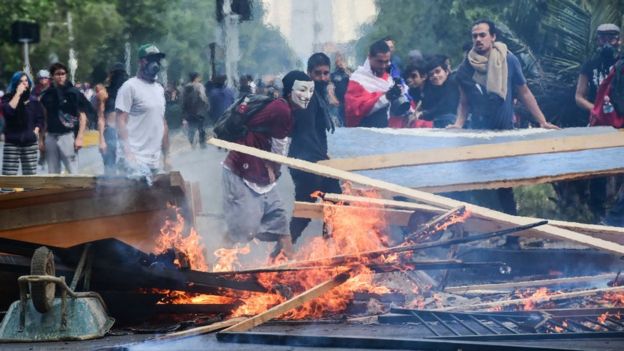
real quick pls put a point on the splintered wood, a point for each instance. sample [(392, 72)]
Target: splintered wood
[(288, 305), (550, 297)]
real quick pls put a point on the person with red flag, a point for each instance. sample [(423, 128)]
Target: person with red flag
[(371, 90)]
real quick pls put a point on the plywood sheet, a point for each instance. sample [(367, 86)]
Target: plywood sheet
[(351, 142)]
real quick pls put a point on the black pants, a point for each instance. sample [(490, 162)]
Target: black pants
[(305, 185), (196, 124)]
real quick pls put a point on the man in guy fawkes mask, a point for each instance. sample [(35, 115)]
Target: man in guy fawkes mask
[(252, 206), (309, 140), (141, 125), (592, 74), (597, 68)]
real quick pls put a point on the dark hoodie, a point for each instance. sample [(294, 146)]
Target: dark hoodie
[(309, 136), (21, 121), (67, 99)]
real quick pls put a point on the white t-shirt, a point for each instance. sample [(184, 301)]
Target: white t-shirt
[(145, 104)]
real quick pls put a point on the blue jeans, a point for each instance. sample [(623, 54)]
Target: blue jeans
[(110, 156)]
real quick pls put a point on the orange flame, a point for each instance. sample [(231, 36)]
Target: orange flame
[(227, 259), (539, 296), (353, 230), (172, 237), (615, 299)]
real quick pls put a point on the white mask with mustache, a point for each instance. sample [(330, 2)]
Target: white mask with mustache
[(302, 92)]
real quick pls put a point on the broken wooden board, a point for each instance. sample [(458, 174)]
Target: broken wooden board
[(400, 216), (288, 305), (127, 209), (553, 297), (467, 289), (479, 152), (480, 173), (431, 199), (472, 223), (201, 330)]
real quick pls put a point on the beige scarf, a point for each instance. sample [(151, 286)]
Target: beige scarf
[(491, 71)]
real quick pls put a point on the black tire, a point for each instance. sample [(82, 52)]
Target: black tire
[(42, 293)]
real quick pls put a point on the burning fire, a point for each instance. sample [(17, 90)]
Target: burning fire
[(187, 247), (353, 230), (455, 218), (540, 295), (615, 299), (227, 259)]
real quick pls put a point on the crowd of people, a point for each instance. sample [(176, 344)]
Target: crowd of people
[(425, 92)]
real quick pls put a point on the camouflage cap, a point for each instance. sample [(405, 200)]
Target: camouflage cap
[(608, 28), (150, 50)]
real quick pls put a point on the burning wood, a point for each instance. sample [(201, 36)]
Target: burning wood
[(437, 224), (613, 295), (276, 311)]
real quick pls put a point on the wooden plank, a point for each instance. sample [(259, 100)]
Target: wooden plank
[(522, 181), (479, 152), (381, 202), (431, 199), (527, 284), (118, 203), (135, 229), (315, 211), (57, 181), (482, 224), (554, 297), (288, 305), (201, 330)]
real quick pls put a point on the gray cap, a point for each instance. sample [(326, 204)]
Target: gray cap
[(43, 74), (608, 28)]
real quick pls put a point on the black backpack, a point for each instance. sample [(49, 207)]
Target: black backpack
[(232, 125)]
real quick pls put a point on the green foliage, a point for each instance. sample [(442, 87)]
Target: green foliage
[(541, 201), (144, 20), (181, 28), (191, 27)]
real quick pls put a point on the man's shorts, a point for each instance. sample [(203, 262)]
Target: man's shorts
[(250, 215)]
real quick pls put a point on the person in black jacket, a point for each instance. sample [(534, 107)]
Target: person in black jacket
[(309, 140), (65, 120), (440, 94), (24, 119)]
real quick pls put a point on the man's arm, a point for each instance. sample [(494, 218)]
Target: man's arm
[(122, 132), (462, 111), (82, 125), (101, 98), (526, 96), (581, 94), (165, 147)]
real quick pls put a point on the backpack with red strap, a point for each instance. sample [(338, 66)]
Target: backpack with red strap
[(611, 91)]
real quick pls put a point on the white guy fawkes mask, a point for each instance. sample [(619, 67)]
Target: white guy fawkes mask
[(302, 93)]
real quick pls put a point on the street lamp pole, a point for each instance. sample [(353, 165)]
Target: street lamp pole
[(27, 68)]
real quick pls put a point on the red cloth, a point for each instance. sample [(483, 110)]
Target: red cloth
[(598, 117), (358, 103), (277, 119), (401, 122)]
